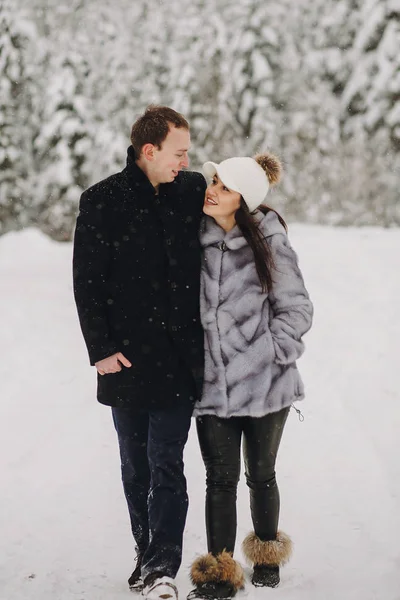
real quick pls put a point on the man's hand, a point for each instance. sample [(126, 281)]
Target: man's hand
[(112, 364)]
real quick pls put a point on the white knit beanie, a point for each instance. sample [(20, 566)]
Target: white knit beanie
[(241, 174)]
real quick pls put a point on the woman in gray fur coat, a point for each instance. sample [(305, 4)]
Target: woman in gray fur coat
[(255, 310)]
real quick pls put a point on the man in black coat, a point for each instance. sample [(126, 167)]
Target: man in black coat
[(136, 282)]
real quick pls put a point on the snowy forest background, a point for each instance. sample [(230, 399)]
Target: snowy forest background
[(315, 81)]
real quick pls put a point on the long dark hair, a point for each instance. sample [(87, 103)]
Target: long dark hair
[(257, 242)]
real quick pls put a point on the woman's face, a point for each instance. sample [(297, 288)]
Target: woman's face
[(219, 201)]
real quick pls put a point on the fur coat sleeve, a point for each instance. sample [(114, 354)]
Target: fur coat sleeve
[(291, 308)]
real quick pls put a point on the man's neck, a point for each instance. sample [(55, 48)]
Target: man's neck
[(143, 166)]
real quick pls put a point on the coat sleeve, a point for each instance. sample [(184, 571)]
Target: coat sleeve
[(291, 308), (91, 257)]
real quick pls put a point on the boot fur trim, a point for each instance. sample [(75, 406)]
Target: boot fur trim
[(204, 569), (221, 568), (271, 552)]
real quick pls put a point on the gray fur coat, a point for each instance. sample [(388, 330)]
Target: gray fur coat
[(252, 338)]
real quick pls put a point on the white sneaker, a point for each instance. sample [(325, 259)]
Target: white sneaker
[(162, 588)]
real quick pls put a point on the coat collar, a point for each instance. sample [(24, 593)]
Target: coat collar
[(211, 234), (134, 174), (139, 179)]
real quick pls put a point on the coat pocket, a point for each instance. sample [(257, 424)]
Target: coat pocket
[(271, 354)]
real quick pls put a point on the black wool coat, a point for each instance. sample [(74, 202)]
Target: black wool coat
[(136, 269)]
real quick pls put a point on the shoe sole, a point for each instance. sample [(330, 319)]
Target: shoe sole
[(137, 588)]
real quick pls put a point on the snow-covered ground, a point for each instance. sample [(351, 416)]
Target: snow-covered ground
[(64, 530)]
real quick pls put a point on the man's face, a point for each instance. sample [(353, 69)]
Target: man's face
[(172, 157)]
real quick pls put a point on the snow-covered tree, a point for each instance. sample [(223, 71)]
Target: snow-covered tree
[(81, 108), (371, 96), (347, 168), (115, 51), (316, 81), (62, 146), (15, 128)]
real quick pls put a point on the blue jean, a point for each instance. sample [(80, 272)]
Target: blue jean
[(151, 448)]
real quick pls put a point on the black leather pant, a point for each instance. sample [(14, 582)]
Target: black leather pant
[(220, 442)]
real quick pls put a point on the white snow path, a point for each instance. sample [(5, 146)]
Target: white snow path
[(64, 531)]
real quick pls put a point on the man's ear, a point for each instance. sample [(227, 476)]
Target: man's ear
[(148, 151)]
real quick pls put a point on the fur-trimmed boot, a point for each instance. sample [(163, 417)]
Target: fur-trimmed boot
[(266, 557), (216, 577)]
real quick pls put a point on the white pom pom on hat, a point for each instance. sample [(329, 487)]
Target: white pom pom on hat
[(241, 174)]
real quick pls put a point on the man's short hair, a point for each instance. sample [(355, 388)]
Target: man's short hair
[(153, 126)]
